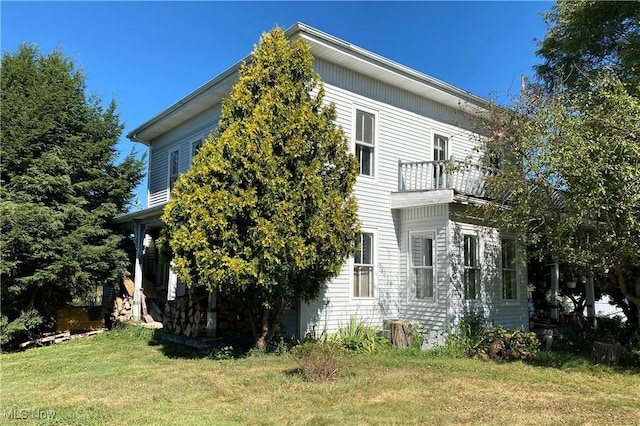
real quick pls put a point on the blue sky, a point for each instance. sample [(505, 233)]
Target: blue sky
[(148, 55)]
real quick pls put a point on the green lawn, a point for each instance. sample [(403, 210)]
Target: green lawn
[(126, 377)]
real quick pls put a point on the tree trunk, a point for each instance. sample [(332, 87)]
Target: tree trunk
[(401, 334), (629, 293), (270, 323)]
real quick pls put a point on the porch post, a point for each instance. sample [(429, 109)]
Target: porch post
[(555, 278), (591, 303), (138, 235)]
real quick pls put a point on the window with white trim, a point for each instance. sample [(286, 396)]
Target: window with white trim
[(363, 267), (471, 256), (365, 141), (195, 147), (440, 150), (421, 254), (174, 168), (509, 272)]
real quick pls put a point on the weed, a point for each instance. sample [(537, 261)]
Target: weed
[(318, 360)]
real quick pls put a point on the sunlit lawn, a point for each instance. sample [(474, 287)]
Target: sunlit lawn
[(128, 378)]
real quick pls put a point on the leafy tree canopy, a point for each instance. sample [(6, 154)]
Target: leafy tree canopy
[(585, 37), (569, 149), (60, 188), (570, 166), (266, 212)]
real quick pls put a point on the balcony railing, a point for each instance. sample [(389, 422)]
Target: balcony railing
[(463, 178)]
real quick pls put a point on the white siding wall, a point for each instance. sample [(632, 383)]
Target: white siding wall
[(406, 125), (506, 313), (431, 314), (179, 138)]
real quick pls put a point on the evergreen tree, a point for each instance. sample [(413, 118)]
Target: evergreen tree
[(266, 213), (60, 189)]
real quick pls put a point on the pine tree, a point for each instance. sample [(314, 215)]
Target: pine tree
[(266, 213), (60, 189)]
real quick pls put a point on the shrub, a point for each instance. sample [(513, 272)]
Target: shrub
[(509, 345), (19, 329), (468, 334), (357, 337), (318, 361)]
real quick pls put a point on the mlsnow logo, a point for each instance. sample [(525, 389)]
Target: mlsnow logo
[(23, 414)]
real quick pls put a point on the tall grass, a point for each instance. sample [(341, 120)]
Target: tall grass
[(129, 377)]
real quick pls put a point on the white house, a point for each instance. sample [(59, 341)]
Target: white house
[(418, 261)]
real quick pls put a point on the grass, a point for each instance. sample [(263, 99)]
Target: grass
[(127, 377)]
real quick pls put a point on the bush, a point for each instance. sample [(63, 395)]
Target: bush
[(318, 361), (468, 334), (22, 328), (357, 337), (509, 345)]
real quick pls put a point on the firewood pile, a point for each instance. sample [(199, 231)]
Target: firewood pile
[(187, 315), (122, 310)]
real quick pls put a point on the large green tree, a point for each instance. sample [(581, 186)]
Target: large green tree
[(60, 189), (569, 172), (266, 213), (585, 37), (569, 149)]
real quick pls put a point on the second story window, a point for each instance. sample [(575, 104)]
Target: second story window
[(174, 168), (195, 147), (365, 141), (471, 267), (440, 152), (440, 148)]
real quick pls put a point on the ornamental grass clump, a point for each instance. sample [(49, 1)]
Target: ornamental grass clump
[(358, 337)]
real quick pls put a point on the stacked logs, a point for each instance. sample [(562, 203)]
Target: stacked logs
[(231, 320), (187, 315), (122, 310)]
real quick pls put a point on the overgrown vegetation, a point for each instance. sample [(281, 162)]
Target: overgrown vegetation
[(472, 338), (357, 337), (91, 381), (468, 333), (318, 361), (501, 344)]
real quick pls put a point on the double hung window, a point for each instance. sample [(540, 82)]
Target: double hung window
[(365, 141), (363, 267), (174, 167), (440, 148), (195, 147), (509, 272), (421, 262), (471, 267)]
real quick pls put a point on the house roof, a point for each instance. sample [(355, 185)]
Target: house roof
[(323, 46)]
